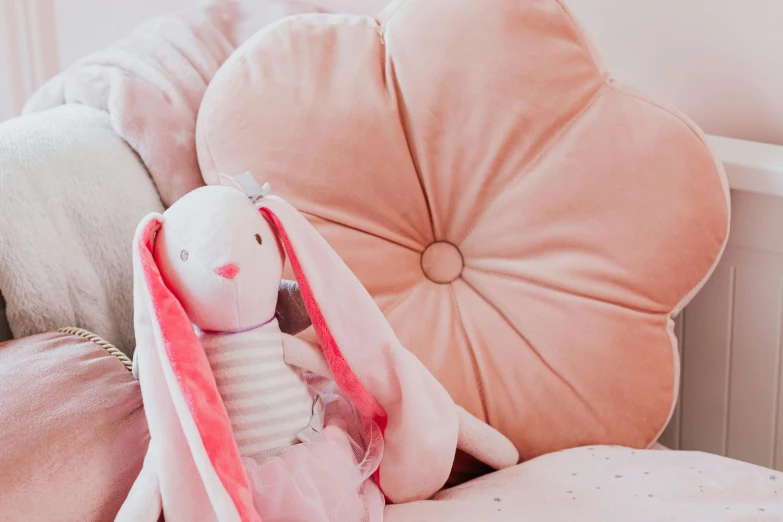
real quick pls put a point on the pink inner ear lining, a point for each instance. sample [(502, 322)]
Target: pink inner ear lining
[(343, 374), (195, 380), (228, 271)]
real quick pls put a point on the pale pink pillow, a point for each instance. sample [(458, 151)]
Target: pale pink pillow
[(72, 430), (528, 225)]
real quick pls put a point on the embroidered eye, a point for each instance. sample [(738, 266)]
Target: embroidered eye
[(259, 240), (183, 255)]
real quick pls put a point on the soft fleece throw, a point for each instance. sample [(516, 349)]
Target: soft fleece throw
[(71, 194), (152, 81)]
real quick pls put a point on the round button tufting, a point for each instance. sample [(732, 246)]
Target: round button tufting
[(442, 262)]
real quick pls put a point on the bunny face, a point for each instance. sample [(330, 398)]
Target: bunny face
[(220, 258)]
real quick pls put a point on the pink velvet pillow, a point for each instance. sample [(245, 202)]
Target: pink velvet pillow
[(72, 430), (528, 225)]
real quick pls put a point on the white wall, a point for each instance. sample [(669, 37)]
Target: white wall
[(40, 37), (86, 25), (720, 61)]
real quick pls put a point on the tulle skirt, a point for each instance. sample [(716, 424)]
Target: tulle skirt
[(328, 479)]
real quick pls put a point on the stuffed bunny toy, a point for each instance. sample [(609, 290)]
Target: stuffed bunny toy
[(248, 423)]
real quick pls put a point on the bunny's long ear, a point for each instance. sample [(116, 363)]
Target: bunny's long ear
[(193, 467), (386, 382)]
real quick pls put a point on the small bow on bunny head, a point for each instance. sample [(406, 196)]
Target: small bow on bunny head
[(214, 259), (247, 184)]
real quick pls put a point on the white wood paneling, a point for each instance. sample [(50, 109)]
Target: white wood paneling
[(706, 362), (671, 435), (755, 352), (731, 395), (730, 398)]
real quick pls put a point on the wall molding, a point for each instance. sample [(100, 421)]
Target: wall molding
[(751, 166)]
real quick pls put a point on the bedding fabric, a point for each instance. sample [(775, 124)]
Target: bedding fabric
[(74, 435), (72, 430), (528, 225), (598, 484)]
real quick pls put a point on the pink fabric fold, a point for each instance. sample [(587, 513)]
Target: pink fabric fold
[(152, 81)]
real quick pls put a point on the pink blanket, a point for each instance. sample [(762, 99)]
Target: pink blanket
[(151, 83), (605, 483)]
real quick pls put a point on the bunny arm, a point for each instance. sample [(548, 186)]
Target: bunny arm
[(476, 438), (291, 310), (305, 355)]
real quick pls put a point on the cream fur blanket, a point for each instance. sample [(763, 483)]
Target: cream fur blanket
[(71, 194)]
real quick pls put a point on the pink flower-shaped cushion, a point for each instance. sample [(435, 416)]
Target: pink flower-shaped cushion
[(528, 225)]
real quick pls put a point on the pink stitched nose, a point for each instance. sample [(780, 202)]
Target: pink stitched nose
[(228, 271)]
